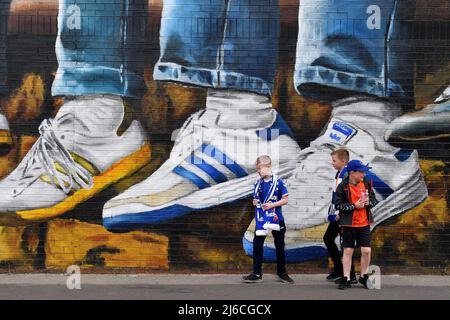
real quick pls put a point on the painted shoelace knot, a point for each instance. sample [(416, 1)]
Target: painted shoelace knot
[(50, 157)]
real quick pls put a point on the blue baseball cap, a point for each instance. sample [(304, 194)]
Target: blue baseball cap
[(357, 165)]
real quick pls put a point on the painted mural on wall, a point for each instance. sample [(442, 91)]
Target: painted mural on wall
[(129, 130)]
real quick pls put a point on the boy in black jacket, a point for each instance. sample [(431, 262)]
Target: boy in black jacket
[(354, 199), (339, 160)]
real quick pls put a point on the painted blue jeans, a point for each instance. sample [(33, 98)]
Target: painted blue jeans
[(353, 45), (99, 47), (4, 16), (230, 44), (356, 46)]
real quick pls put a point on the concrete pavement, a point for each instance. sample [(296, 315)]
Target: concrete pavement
[(214, 287)]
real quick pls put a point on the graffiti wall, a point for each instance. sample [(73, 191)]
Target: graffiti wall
[(129, 130)]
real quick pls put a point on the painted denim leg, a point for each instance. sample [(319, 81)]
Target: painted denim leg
[(190, 37), (6, 141), (342, 44), (4, 16), (220, 44), (93, 47), (249, 55), (400, 51)]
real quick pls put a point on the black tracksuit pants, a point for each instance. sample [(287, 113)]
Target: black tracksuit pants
[(258, 244)]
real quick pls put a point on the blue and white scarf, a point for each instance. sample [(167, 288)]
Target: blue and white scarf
[(266, 220)]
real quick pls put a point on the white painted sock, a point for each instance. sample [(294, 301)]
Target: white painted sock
[(4, 125), (370, 114), (240, 109), (444, 96), (91, 115)]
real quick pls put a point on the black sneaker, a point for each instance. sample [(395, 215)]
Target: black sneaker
[(353, 279), (285, 278), (252, 278), (338, 280), (363, 280), (335, 275), (344, 284)]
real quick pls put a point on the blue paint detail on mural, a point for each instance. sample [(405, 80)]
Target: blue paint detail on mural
[(379, 185), (403, 154), (222, 158), (215, 174), (293, 255), (192, 177), (343, 128), (138, 220)]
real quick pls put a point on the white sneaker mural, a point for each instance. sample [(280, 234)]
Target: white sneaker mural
[(211, 163), (77, 155), (5, 135)]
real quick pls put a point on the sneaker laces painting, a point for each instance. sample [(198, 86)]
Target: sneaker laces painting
[(192, 134), (77, 155), (50, 160)]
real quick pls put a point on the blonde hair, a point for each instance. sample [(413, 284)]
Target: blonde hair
[(264, 159), (342, 154)]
